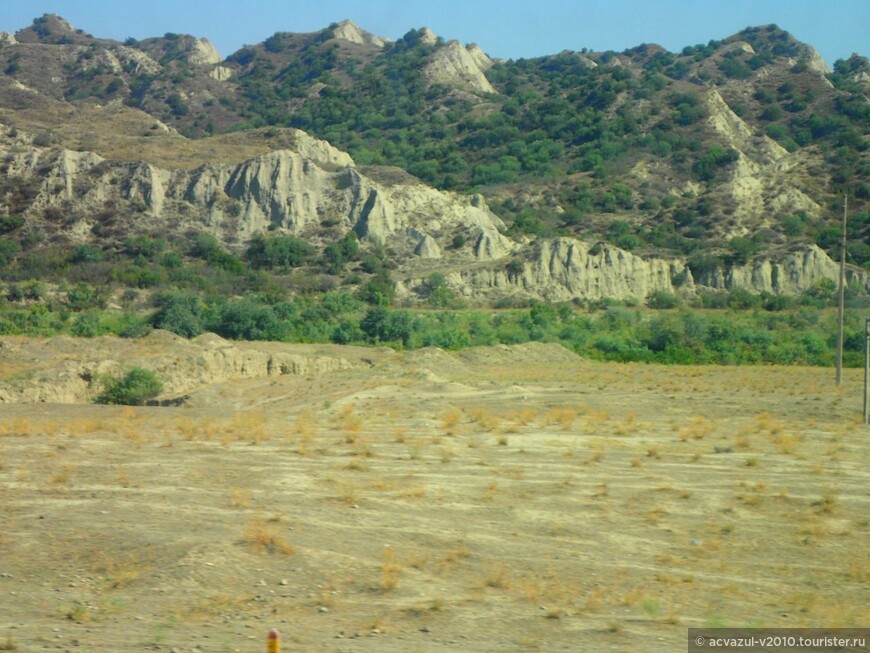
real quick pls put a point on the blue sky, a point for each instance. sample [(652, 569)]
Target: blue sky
[(503, 28)]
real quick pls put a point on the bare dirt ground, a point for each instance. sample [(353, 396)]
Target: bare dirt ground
[(497, 499)]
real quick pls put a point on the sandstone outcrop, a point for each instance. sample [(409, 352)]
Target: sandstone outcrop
[(763, 177), (428, 37), (428, 247), (302, 189), (295, 190), (348, 31), (563, 269), (460, 67), (791, 274), (203, 53), (490, 244), (69, 373), (221, 73)]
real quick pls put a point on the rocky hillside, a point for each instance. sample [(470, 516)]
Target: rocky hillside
[(318, 195), (606, 174)]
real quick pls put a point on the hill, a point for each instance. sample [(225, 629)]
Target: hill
[(606, 174)]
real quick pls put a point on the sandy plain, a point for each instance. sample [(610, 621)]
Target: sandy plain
[(496, 499)]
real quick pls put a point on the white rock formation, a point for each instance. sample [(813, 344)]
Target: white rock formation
[(459, 67), (564, 268), (297, 190), (136, 60), (480, 58), (816, 62), (762, 177), (320, 151), (428, 247), (101, 59), (490, 244), (428, 37), (294, 189), (792, 274), (220, 73), (348, 31), (737, 133), (203, 53)]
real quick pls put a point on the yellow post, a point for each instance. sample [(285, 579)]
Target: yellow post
[(273, 641)]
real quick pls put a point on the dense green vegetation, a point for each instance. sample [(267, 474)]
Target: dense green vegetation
[(552, 115), (575, 122), (744, 333), (210, 291), (278, 289)]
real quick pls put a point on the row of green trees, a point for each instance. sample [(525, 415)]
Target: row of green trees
[(775, 334)]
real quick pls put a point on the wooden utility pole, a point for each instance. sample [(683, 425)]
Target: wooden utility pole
[(867, 371), (841, 297)]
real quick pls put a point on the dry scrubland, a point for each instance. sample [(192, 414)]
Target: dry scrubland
[(498, 499)]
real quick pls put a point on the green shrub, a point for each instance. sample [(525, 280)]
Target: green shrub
[(8, 250), (379, 291), (662, 299), (380, 325), (743, 299), (135, 388), (87, 325), (336, 255), (86, 254), (267, 252), (83, 296), (10, 223), (180, 313), (245, 319)]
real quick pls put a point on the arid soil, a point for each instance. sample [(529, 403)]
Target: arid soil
[(497, 499)]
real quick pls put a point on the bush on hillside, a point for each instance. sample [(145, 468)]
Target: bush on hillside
[(135, 388)]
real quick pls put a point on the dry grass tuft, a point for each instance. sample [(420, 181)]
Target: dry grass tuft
[(490, 491), (594, 457), (453, 556), (786, 443), (305, 427), (563, 417), (265, 536), (484, 418), (497, 576), (64, 475), (9, 644), (655, 515), (450, 420), (79, 613), (248, 426), (241, 497), (829, 501), (17, 427), (521, 418), (391, 569), (697, 429), (356, 465)]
